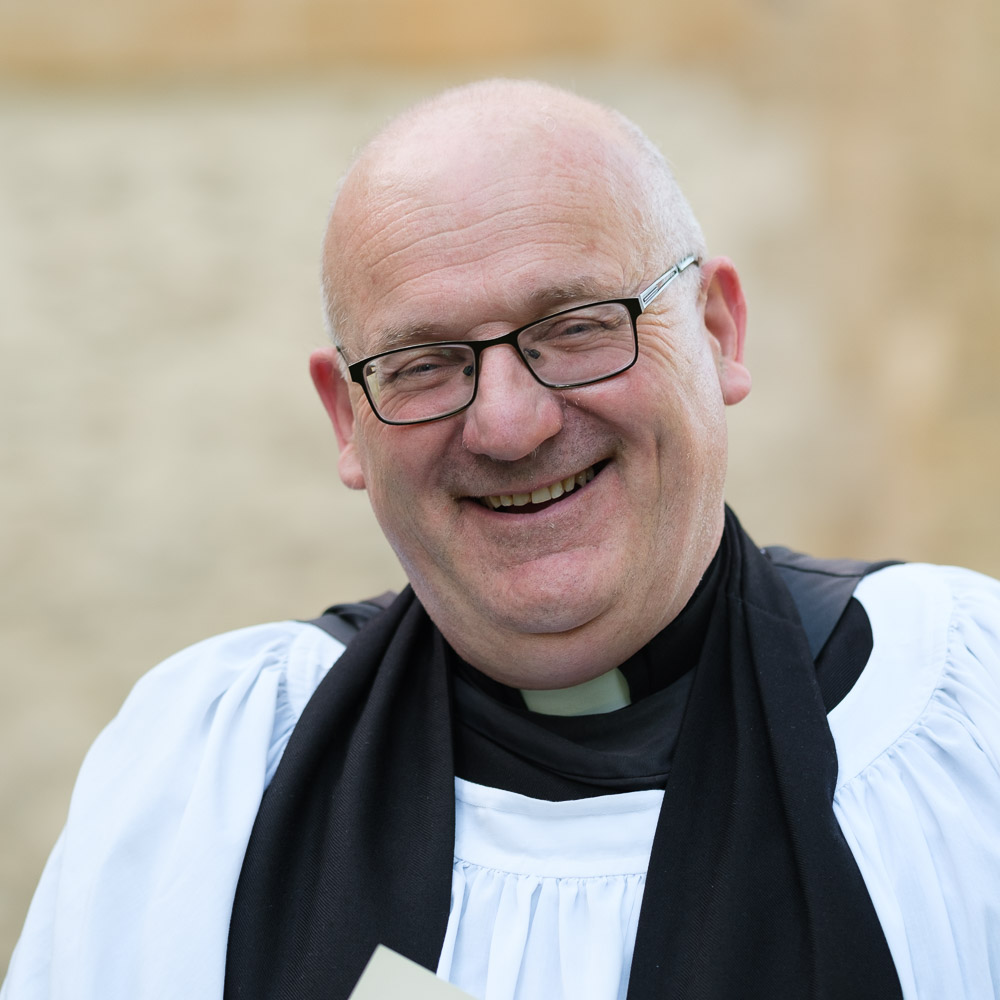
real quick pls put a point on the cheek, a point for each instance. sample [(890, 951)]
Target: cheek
[(673, 425), (399, 464), (381, 460), (687, 383)]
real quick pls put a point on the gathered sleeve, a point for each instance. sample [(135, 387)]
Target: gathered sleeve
[(134, 901), (918, 794)]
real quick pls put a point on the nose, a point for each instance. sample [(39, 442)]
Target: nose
[(512, 414)]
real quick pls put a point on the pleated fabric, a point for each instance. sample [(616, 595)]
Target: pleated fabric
[(919, 775), (546, 895)]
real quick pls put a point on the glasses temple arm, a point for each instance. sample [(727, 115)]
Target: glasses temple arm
[(657, 286)]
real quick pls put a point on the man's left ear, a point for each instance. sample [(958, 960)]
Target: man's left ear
[(726, 322)]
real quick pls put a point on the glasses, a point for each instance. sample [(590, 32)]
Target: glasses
[(575, 347)]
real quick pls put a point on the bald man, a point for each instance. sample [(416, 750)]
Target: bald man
[(603, 745)]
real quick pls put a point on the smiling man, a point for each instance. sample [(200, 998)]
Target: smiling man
[(603, 746), (461, 225)]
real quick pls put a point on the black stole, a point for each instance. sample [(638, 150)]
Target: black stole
[(752, 891)]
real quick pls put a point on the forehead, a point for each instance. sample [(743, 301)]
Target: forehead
[(462, 229)]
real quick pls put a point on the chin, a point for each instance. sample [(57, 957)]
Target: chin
[(531, 640), (545, 618), (547, 607)]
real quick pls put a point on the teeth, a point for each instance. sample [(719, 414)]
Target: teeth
[(542, 494)]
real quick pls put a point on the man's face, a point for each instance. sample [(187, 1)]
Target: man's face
[(556, 592)]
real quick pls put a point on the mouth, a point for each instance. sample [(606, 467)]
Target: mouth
[(541, 497)]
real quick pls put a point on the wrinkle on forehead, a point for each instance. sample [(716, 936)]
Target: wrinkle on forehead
[(470, 176)]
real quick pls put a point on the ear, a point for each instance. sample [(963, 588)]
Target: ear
[(335, 394), (725, 322)]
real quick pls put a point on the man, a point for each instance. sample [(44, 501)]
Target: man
[(591, 754)]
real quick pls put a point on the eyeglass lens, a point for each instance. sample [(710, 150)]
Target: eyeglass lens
[(432, 380)]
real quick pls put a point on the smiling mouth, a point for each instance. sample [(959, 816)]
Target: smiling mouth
[(544, 496)]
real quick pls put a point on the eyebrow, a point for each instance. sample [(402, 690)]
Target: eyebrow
[(390, 337), (554, 297), (536, 305)]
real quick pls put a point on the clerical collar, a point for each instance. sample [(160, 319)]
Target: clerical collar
[(605, 693)]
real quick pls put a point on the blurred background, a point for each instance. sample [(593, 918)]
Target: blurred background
[(165, 169)]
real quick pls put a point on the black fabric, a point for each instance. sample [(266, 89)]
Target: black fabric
[(844, 655), (751, 891), (552, 758), (354, 839), (820, 588), (344, 621), (501, 744)]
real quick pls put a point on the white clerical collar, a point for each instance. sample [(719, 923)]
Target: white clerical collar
[(605, 693)]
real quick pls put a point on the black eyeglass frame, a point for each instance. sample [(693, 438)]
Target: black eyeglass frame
[(635, 304)]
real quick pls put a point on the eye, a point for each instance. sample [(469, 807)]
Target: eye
[(579, 329), (422, 365), (577, 326)]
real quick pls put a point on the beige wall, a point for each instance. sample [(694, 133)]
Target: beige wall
[(115, 37), (164, 172)]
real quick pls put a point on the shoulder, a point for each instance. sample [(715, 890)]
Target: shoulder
[(936, 634), (209, 722), (160, 818), (256, 679)]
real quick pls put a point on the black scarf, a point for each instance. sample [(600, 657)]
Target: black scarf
[(751, 892)]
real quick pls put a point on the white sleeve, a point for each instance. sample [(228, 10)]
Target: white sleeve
[(918, 797), (135, 900)]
